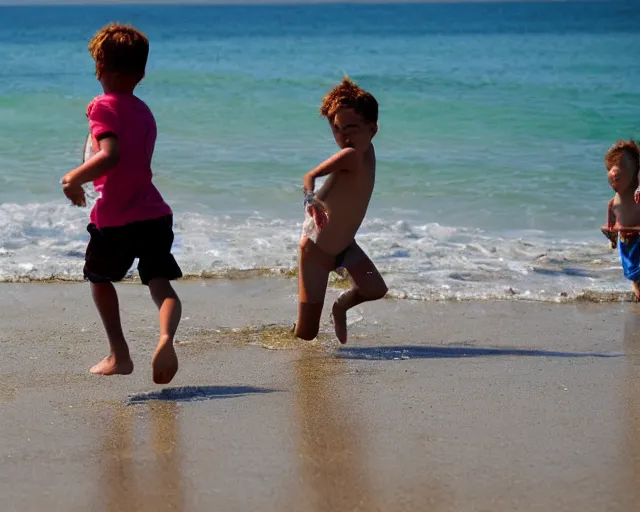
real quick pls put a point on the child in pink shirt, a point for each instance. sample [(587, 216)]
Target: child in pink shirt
[(130, 219)]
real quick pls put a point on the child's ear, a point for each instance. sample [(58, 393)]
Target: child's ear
[(374, 130)]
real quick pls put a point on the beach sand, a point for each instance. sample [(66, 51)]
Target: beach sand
[(478, 406)]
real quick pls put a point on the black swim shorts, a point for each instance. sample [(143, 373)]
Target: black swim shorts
[(112, 251)]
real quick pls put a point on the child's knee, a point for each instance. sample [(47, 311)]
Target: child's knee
[(378, 291), (381, 291), (308, 324), (162, 286), (103, 289)]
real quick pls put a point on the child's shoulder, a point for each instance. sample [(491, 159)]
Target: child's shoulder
[(102, 101), (616, 200), (118, 103), (347, 157)]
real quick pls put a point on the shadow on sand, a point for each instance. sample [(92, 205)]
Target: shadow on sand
[(440, 352), (568, 271), (195, 394)]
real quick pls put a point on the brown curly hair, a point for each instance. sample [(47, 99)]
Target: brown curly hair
[(620, 150), (120, 49), (348, 95)]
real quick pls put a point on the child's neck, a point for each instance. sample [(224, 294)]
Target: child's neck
[(119, 83), (627, 195), (118, 89)]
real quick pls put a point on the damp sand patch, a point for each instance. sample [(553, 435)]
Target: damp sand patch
[(270, 336)]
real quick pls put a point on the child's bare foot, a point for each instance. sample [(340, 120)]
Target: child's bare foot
[(165, 361), (339, 317), (109, 366), (636, 290)]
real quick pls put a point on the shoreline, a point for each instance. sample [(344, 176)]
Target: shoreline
[(340, 281)]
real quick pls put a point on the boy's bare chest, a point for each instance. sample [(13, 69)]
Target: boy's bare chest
[(627, 213), (355, 183)]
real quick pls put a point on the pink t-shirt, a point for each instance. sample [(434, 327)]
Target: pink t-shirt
[(126, 192)]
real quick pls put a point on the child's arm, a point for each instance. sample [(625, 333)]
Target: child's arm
[(343, 160), (107, 157), (611, 222), (98, 165), (324, 190), (104, 125)]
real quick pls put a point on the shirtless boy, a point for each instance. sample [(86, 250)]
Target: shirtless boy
[(339, 208), (623, 218)]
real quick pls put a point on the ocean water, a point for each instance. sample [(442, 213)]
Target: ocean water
[(494, 120)]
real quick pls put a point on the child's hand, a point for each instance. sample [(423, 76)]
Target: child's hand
[(611, 235), (74, 192), (636, 195), (318, 211)]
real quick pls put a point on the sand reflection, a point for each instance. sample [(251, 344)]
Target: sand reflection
[(333, 459), (137, 474), (631, 403)]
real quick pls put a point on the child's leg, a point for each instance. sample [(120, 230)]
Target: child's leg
[(368, 286), (629, 248), (157, 267), (106, 261), (118, 361), (313, 274), (165, 360)]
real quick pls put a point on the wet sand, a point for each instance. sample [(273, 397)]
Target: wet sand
[(437, 407)]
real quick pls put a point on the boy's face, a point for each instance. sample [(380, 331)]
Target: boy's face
[(351, 131), (621, 176)]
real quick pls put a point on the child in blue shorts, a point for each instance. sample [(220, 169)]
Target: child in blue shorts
[(623, 219)]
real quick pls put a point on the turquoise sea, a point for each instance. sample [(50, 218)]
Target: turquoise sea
[(494, 120)]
